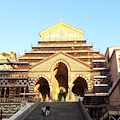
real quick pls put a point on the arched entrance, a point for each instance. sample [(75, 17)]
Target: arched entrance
[(79, 86), (42, 87), (60, 82)]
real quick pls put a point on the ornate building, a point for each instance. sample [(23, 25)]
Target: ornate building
[(61, 67)]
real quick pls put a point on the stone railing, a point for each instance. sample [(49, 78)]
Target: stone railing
[(13, 99), (9, 108), (85, 113), (25, 111), (17, 99)]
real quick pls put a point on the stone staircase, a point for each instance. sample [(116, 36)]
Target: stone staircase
[(58, 111)]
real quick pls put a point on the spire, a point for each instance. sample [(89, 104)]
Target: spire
[(61, 19)]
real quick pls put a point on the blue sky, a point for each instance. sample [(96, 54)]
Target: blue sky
[(22, 20)]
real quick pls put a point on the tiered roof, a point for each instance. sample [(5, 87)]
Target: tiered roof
[(61, 37)]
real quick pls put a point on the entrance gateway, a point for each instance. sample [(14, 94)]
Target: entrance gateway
[(62, 88)]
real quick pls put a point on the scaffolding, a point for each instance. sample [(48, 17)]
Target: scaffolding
[(13, 78), (76, 48)]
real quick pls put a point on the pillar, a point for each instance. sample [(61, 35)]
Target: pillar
[(72, 96), (5, 92), (50, 100), (69, 93), (55, 88)]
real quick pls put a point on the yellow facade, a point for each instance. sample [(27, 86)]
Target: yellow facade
[(61, 32), (59, 68), (61, 63)]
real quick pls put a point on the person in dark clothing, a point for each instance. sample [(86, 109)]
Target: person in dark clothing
[(47, 110)]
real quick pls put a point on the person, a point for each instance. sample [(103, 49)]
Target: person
[(47, 110), (43, 110)]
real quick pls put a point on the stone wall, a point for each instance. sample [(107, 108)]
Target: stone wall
[(8, 108)]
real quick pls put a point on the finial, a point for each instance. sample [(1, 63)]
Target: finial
[(61, 19)]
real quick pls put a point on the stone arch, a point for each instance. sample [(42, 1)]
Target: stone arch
[(79, 75), (57, 62), (41, 87), (36, 79), (79, 85), (60, 71)]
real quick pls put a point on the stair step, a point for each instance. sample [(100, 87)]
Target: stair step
[(58, 111)]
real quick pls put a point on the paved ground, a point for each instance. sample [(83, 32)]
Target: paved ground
[(58, 111)]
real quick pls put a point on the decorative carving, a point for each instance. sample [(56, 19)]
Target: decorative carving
[(17, 82), (9, 108), (62, 31), (75, 65)]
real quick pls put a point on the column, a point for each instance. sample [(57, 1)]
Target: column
[(50, 100), (70, 87), (68, 78), (5, 92), (72, 96), (70, 93)]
